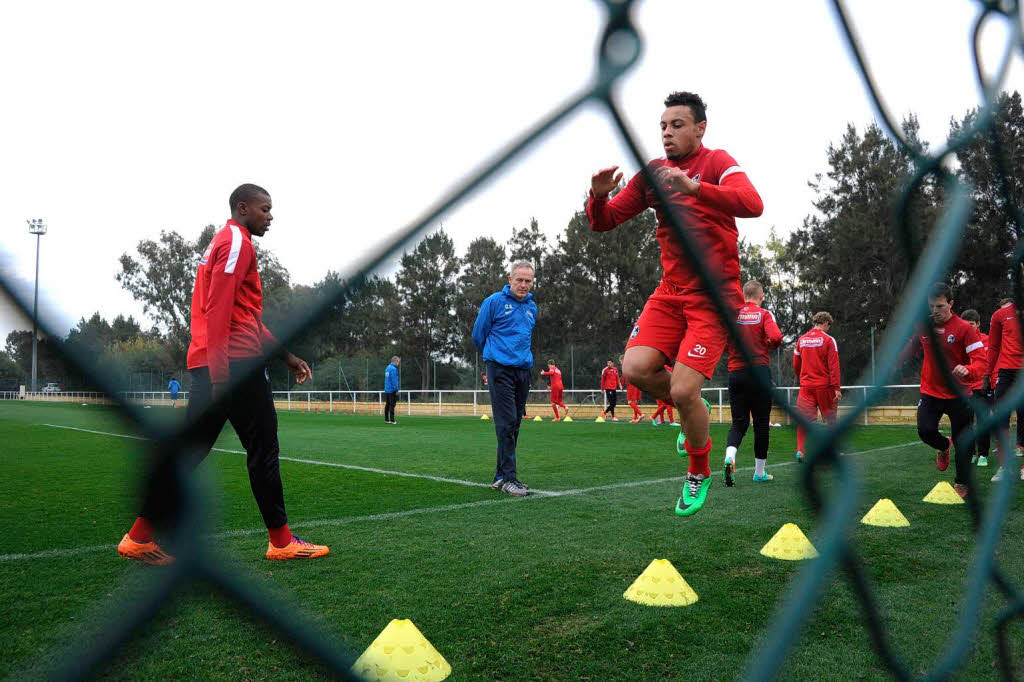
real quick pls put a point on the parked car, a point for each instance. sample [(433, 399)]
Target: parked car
[(51, 388)]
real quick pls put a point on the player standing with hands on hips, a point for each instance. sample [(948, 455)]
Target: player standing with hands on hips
[(707, 190), (503, 332)]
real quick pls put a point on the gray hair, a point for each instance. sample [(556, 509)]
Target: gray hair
[(520, 264)]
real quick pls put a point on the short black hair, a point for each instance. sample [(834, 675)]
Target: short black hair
[(245, 193), (971, 315), (689, 99), (941, 290)]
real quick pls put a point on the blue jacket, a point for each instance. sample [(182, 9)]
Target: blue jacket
[(174, 386), (391, 378), (504, 329)]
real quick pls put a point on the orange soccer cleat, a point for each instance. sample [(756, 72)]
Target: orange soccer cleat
[(146, 552), (296, 549), (942, 457)]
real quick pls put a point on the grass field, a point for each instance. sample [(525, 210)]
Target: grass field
[(503, 588)]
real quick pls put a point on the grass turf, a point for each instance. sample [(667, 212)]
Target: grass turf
[(503, 588)]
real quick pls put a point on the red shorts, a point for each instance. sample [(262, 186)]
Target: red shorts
[(685, 326), (633, 394), (556, 395), (810, 400)]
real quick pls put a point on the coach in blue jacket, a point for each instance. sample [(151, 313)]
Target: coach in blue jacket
[(391, 390), (503, 332)]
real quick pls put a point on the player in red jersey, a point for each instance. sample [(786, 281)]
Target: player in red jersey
[(611, 383), (554, 376), (982, 393), (228, 343), (1005, 360), (964, 352), (633, 396), (747, 397), (664, 406), (707, 190), (816, 364)]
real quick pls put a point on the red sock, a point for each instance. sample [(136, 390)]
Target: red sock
[(555, 408), (671, 418), (142, 531), (280, 537), (800, 439), (658, 413), (698, 458)]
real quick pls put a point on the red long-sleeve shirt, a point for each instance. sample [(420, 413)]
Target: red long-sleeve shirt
[(725, 194), (760, 333), (961, 345), (976, 385), (555, 377), (227, 304), (610, 379), (816, 360), (1005, 347)]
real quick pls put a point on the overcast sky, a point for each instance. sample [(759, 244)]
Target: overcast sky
[(122, 119)]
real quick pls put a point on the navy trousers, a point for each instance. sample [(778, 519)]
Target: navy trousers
[(509, 388)]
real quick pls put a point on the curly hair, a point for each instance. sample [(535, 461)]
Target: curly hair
[(688, 99), (822, 318)]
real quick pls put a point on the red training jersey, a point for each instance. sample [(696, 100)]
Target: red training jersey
[(816, 360), (1005, 349), (227, 304), (759, 332), (725, 194), (961, 345), (610, 379), (554, 375), (976, 386)]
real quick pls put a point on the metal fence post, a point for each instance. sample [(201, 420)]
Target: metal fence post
[(721, 413)]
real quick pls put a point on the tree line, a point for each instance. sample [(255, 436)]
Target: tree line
[(846, 257)]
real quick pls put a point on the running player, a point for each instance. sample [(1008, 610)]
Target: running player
[(554, 376), (1005, 360), (964, 352), (706, 191), (228, 342), (633, 396), (611, 383), (981, 393), (173, 387), (747, 395), (816, 364)]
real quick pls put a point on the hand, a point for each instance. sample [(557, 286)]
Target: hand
[(604, 181), (674, 180), (960, 371), (839, 396), (298, 367)]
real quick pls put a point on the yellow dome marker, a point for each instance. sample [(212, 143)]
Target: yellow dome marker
[(484, 417), (661, 585), (567, 419), (537, 419), (599, 420), (789, 544), (885, 513), (943, 493), (401, 654)]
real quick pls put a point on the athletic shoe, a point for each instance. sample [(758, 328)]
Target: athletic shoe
[(655, 422), (730, 469), (799, 456), (961, 489), (515, 489), (942, 457), (556, 419), (681, 444), (634, 420), (1019, 450), (999, 474), (983, 461), (496, 485), (1022, 473), (695, 492), (761, 478), (146, 552), (673, 423), (615, 419), (296, 549)]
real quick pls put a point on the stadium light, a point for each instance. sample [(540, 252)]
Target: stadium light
[(37, 227)]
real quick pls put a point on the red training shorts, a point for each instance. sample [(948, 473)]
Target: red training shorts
[(556, 395), (684, 325), (633, 394), (810, 400)]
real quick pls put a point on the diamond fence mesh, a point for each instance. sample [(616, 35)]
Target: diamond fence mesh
[(619, 49)]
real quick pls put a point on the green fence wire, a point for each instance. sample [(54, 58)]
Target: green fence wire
[(619, 49)]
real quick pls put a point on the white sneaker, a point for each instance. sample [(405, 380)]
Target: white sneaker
[(999, 475), (1022, 473)]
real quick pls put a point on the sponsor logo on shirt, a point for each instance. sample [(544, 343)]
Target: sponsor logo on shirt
[(813, 342), (749, 318), (636, 330)]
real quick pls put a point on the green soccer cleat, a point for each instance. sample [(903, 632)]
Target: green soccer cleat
[(799, 456), (695, 491), (681, 438), (729, 473), (762, 478)]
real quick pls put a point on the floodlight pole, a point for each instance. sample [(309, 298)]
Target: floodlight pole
[(38, 228)]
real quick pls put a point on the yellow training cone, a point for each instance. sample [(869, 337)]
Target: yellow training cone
[(401, 654), (484, 417), (943, 493), (567, 419), (660, 585), (789, 544), (885, 513), (537, 419), (599, 420)]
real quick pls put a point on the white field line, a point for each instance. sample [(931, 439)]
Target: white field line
[(322, 523), (388, 472)]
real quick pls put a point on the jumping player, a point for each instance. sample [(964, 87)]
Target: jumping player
[(816, 364), (964, 351), (554, 376), (747, 396), (1005, 360), (229, 341), (981, 392), (611, 383), (706, 190)]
